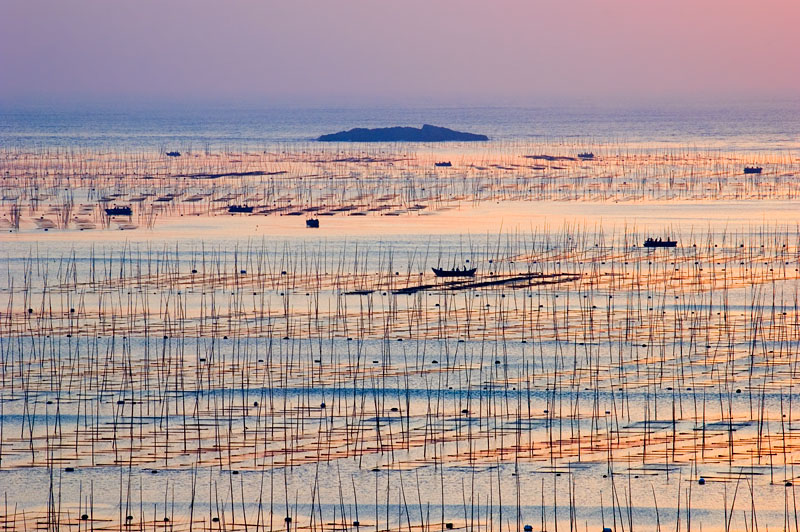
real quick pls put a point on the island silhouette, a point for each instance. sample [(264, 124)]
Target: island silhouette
[(427, 133)]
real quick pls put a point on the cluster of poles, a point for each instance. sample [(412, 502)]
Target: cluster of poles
[(579, 380), (57, 189)]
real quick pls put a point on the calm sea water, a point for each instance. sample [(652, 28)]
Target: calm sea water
[(763, 126), (437, 492)]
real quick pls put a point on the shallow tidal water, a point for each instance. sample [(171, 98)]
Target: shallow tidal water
[(187, 368)]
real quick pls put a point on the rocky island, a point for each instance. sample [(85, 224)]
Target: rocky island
[(427, 133)]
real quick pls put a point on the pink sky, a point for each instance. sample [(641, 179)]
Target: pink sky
[(398, 51)]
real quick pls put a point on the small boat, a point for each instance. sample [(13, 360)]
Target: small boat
[(173, 154), (658, 243), (458, 272), (125, 210), (443, 163), (312, 222), (236, 209), (586, 155), (752, 169)]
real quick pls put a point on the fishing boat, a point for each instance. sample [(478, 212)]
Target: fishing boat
[(173, 154), (752, 169), (235, 209), (443, 163), (312, 222), (124, 210), (658, 243), (457, 272), (586, 155)]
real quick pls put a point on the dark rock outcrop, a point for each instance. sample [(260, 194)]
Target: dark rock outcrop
[(426, 133)]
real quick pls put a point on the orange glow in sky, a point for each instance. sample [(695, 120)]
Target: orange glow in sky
[(418, 51)]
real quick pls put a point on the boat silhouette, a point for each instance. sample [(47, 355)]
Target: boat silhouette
[(312, 222), (457, 272), (124, 210), (752, 169), (233, 209), (658, 243)]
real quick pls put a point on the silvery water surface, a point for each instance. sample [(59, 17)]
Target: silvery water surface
[(759, 126), (764, 127)]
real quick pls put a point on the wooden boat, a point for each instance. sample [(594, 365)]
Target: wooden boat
[(455, 273), (658, 243), (443, 163), (586, 155), (235, 209), (312, 222), (124, 210), (752, 169)]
